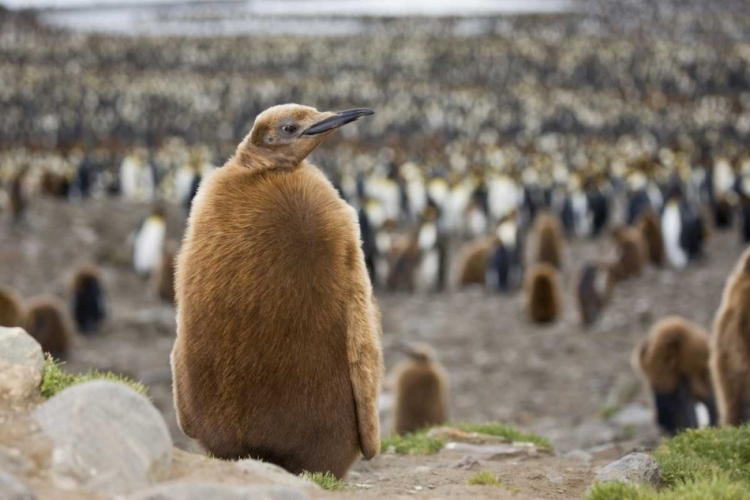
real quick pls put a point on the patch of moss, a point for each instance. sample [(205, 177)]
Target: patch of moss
[(412, 444), (325, 480), (485, 478), (505, 431), (55, 379), (700, 454), (717, 488)]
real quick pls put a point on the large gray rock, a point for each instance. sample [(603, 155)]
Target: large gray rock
[(275, 474), (636, 468), (11, 488), (107, 437), (21, 364), (215, 491)]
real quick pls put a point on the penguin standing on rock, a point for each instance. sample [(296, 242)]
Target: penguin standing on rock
[(277, 355), (149, 242), (421, 385), (88, 299)]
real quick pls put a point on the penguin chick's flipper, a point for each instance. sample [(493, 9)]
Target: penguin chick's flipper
[(363, 352)]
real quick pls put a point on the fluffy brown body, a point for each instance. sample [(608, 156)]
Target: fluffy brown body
[(48, 322), (403, 259), (674, 349), (730, 347), (649, 225), (421, 386), (277, 353), (11, 308), (547, 240), (472, 267), (164, 276), (632, 252), (543, 295)]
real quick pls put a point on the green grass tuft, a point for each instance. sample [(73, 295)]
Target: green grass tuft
[(505, 431), (412, 444), (325, 480), (607, 412), (485, 478), (717, 488), (700, 454), (55, 379)]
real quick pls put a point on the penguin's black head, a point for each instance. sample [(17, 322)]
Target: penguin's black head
[(283, 136)]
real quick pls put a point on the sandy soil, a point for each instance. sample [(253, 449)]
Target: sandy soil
[(556, 380)]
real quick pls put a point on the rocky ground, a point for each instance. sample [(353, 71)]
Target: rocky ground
[(569, 384)]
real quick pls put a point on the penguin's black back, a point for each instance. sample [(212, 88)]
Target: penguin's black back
[(587, 294), (600, 209), (88, 307), (639, 202), (691, 237), (502, 264)]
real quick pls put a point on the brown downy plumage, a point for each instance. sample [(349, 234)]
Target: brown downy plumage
[(48, 322), (421, 386), (546, 240), (19, 198), (543, 295), (730, 346), (595, 287), (649, 225), (472, 267), (11, 308), (631, 251), (673, 361), (164, 276), (278, 352)]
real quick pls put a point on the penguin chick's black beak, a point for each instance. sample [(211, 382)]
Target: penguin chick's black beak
[(340, 119)]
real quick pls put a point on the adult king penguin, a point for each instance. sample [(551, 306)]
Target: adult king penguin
[(278, 351)]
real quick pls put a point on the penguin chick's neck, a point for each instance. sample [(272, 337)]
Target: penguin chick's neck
[(265, 160)]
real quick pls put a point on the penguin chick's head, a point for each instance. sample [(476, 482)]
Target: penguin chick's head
[(284, 135)]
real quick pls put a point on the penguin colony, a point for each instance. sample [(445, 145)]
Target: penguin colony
[(474, 206)]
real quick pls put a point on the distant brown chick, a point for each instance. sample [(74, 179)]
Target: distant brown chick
[(11, 308), (48, 322), (421, 391)]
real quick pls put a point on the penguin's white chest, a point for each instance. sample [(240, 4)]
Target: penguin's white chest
[(672, 228), (149, 243)]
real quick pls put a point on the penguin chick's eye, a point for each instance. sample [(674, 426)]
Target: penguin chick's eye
[(289, 129)]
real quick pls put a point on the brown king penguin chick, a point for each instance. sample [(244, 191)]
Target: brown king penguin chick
[(48, 322), (19, 197), (472, 263), (11, 308), (595, 290), (164, 275), (649, 225), (89, 309), (421, 385), (278, 353), (631, 252), (730, 347), (546, 240), (543, 295), (673, 361)]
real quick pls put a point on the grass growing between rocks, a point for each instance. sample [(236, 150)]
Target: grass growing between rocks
[(711, 463), (505, 431), (717, 488), (412, 444), (325, 480), (55, 379)]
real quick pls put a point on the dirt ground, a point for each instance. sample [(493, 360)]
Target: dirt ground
[(569, 384)]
